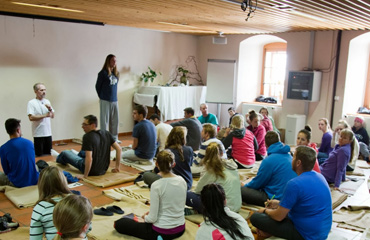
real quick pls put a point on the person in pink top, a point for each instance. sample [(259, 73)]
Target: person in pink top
[(259, 132), (242, 141), (266, 122), (303, 139)]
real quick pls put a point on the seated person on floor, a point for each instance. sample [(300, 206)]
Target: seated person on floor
[(208, 136), (242, 141), (305, 210), (303, 139), (253, 119), (207, 117), (232, 113), (193, 126), (72, 217), (217, 170), (343, 124), (275, 171), (265, 113), (265, 121), (144, 137), (325, 146), (219, 221), (163, 129), (334, 168), (94, 157), (52, 187), (361, 137), (17, 158), (167, 201), (183, 158)]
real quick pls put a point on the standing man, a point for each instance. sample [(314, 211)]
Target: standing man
[(207, 117), (94, 157), (40, 112), (17, 158), (192, 124), (106, 87), (144, 138), (163, 130), (305, 210)]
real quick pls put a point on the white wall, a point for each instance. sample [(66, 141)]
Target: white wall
[(67, 58), (298, 51)]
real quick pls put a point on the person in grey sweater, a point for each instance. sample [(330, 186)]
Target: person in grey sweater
[(194, 127)]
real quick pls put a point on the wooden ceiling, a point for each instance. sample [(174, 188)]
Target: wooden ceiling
[(205, 17)]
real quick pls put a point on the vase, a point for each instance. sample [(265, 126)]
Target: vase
[(183, 79)]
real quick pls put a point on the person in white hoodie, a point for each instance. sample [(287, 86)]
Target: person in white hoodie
[(219, 221)]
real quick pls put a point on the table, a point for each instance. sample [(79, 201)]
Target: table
[(173, 100)]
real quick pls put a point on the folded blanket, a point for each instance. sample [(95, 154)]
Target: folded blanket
[(21, 197), (106, 180), (337, 198), (21, 233), (353, 217)]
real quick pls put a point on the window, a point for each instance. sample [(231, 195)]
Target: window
[(367, 89), (273, 70)]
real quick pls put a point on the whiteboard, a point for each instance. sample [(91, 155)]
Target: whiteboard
[(220, 81)]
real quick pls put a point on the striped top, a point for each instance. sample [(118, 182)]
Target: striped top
[(42, 220)]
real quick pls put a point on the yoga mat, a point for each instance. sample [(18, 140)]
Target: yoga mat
[(353, 217), (106, 180), (102, 226), (21, 197), (138, 166), (362, 164), (350, 187)]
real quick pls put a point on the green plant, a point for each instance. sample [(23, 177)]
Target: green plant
[(149, 75), (183, 71)]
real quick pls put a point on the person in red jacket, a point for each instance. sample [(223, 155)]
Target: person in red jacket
[(259, 132), (242, 141)]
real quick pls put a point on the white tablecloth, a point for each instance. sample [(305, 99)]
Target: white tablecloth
[(172, 100)]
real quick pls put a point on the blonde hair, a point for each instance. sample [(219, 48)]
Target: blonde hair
[(210, 129), (71, 215), (326, 121), (238, 121), (52, 183), (348, 133), (165, 160), (212, 160)]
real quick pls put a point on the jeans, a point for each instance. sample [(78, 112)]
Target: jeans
[(78, 161), (253, 196), (130, 155), (193, 200)]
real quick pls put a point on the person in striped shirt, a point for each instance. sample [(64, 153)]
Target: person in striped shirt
[(52, 187)]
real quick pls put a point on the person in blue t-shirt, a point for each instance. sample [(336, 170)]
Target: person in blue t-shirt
[(305, 211), (207, 117), (17, 158), (144, 138)]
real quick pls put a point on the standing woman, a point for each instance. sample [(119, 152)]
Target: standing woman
[(167, 202), (259, 132), (219, 221), (325, 147), (106, 87), (52, 187)]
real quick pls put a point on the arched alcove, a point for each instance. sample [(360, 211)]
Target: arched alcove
[(250, 66), (357, 73)]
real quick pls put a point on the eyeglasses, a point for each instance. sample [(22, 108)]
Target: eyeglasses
[(85, 124)]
